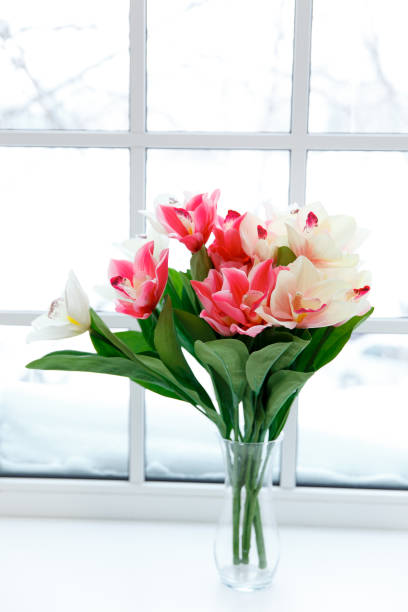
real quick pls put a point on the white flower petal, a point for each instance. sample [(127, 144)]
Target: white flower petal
[(44, 328), (76, 302)]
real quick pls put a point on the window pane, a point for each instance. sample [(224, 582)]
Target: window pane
[(359, 81), (353, 417), (246, 178), (180, 443), (372, 187), (64, 65), (219, 66), (59, 423), (61, 209)]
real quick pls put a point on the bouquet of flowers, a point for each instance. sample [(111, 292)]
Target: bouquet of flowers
[(261, 308)]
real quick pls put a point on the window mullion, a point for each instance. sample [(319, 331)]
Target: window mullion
[(289, 450), (137, 93), (297, 186), (300, 99), (301, 68)]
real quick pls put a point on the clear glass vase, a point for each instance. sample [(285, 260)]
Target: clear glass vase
[(247, 542)]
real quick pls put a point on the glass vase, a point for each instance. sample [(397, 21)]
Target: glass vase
[(247, 542)]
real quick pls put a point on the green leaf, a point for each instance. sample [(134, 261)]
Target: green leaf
[(228, 357), (181, 292), (135, 340), (285, 256), (275, 356), (271, 335), (260, 362), (193, 396), (326, 344), (200, 264), (192, 328), (189, 295), (100, 328), (57, 353), (281, 417), (174, 288), (102, 346), (338, 337), (249, 412), (168, 346), (169, 349), (294, 349), (159, 390), (146, 371), (280, 387), (148, 326), (225, 399), (304, 362)]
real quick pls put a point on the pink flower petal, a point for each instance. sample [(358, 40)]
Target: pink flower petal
[(224, 301), (120, 267), (250, 331), (235, 281), (144, 263), (193, 242), (222, 329), (168, 216)]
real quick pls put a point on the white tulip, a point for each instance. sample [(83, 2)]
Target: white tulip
[(67, 316)]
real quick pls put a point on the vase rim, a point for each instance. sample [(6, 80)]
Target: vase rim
[(277, 441)]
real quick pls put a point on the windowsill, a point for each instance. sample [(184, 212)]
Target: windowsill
[(59, 565)]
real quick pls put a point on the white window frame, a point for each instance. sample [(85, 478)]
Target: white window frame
[(137, 498)]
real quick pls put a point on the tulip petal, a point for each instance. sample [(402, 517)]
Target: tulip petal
[(224, 300), (44, 328), (120, 267), (222, 329), (235, 281), (76, 302), (251, 331), (170, 219), (144, 262)]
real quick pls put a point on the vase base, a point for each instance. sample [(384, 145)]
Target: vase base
[(246, 577)]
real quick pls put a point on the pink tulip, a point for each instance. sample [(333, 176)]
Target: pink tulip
[(139, 285), (226, 250), (230, 298), (191, 225), (305, 297)]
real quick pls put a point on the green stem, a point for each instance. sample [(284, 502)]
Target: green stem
[(252, 512), (249, 509), (236, 508), (236, 514), (260, 542), (249, 513)]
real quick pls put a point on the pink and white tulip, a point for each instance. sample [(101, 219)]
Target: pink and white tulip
[(140, 284), (327, 241), (230, 298), (226, 250), (261, 239), (67, 316), (306, 297), (191, 224)]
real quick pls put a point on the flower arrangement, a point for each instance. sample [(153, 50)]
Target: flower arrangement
[(263, 307)]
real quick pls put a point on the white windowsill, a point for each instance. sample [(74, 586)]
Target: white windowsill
[(59, 565), (302, 506)]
